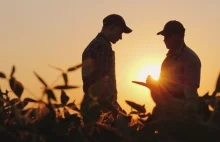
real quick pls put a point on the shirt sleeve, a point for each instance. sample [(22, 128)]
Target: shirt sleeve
[(103, 69), (96, 62), (192, 71), (95, 69), (102, 59)]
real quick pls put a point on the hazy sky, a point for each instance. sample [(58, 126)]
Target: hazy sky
[(36, 33)]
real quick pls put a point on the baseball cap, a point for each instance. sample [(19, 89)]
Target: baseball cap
[(117, 20), (172, 27)]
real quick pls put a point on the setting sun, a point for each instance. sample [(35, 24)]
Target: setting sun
[(145, 70)]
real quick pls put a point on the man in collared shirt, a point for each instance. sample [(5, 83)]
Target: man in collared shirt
[(98, 68), (179, 77)]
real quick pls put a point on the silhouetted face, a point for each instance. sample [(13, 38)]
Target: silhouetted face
[(172, 41), (115, 33)]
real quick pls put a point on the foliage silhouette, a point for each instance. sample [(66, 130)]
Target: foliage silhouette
[(53, 122)]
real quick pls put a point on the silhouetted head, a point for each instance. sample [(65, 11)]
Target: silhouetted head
[(114, 26), (173, 33)]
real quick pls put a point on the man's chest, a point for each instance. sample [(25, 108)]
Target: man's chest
[(172, 69)]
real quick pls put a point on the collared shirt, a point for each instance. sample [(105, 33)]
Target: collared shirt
[(98, 62), (179, 70)]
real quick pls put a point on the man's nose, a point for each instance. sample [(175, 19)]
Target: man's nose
[(164, 39)]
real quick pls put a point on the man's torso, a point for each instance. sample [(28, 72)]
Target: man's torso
[(100, 52), (174, 76)]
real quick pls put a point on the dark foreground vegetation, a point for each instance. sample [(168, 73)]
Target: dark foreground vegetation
[(62, 122)]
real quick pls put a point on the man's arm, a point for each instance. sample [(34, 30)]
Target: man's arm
[(95, 70), (192, 71), (160, 94), (104, 61), (191, 75), (94, 64)]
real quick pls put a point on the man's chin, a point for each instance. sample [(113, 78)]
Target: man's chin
[(167, 47), (113, 42)]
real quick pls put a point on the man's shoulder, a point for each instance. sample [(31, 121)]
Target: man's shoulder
[(98, 43), (191, 55), (96, 46)]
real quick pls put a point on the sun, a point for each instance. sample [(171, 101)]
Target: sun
[(145, 70)]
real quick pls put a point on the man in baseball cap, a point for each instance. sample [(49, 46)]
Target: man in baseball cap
[(98, 69), (179, 76)]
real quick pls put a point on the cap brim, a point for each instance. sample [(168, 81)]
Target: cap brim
[(161, 33), (127, 30)]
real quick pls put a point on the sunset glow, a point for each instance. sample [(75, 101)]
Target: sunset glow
[(37, 33), (153, 70), (144, 70)]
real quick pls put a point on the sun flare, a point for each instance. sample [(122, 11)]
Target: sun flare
[(144, 71)]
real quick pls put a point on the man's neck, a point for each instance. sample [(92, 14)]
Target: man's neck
[(177, 49), (105, 35)]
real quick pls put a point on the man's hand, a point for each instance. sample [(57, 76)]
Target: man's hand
[(100, 89), (151, 83)]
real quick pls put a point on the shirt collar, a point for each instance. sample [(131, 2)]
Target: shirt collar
[(104, 37)]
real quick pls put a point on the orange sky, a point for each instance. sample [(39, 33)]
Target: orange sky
[(34, 34)]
